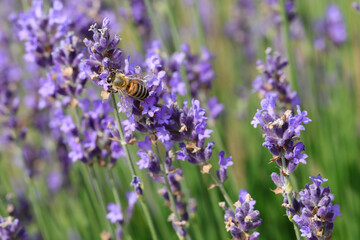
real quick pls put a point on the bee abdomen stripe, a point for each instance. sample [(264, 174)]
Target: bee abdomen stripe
[(140, 91), (143, 93)]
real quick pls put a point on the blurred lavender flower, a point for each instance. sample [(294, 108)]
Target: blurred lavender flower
[(331, 27), (41, 31), (273, 82), (141, 19), (245, 218), (238, 28), (10, 76), (282, 133), (317, 213), (115, 214), (356, 6), (11, 229)]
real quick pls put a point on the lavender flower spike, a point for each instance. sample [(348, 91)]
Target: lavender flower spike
[(282, 133), (10, 229), (245, 218), (317, 213)]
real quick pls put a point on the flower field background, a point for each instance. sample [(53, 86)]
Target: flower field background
[(67, 171)]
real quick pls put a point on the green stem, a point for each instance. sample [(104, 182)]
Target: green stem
[(288, 190), (96, 187), (122, 139), (132, 169), (223, 191), (286, 33), (167, 184)]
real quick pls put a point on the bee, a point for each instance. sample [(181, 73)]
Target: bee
[(132, 85)]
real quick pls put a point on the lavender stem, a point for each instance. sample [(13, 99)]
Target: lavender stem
[(223, 191), (290, 199), (167, 184), (132, 169)]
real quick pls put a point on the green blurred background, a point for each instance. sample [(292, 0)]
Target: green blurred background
[(329, 86)]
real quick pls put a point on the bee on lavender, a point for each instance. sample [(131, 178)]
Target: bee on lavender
[(131, 85)]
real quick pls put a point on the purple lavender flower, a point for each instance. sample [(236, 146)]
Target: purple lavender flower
[(11, 229), (281, 133), (104, 54), (41, 31), (215, 107), (331, 27), (115, 214), (245, 218), (273, 81), (224, 164), (317, 213), (356, 6)]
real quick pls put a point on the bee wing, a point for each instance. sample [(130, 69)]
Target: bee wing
[(142, 77), (125, 105)]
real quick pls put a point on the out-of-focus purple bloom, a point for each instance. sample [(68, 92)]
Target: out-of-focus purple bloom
[(41, 31), (115, 214), (331, 27), (215, 107), (238, 28), (356, 6), (316, 215), (55, 180), (273, 81), (11, 229), (141, 19), (281, 133), (245, 218)]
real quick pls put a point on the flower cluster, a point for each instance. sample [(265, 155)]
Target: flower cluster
[(331, 27), (244, 219), (311, 208), (317, 213), (282, 133), (65, 78), (273, 82), (93, 142), (11, 229), (41, 31), (104, 54), (197, 68)]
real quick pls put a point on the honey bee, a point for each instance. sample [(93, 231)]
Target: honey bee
[(132, 85)]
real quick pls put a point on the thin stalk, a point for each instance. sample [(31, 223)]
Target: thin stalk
[(122, 139), (167, 184), (98, 194), (93, 181), (199, 25), (132, 169), (289, 197), (173, 27), (223, 191), (155, 24), (286, 33)]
